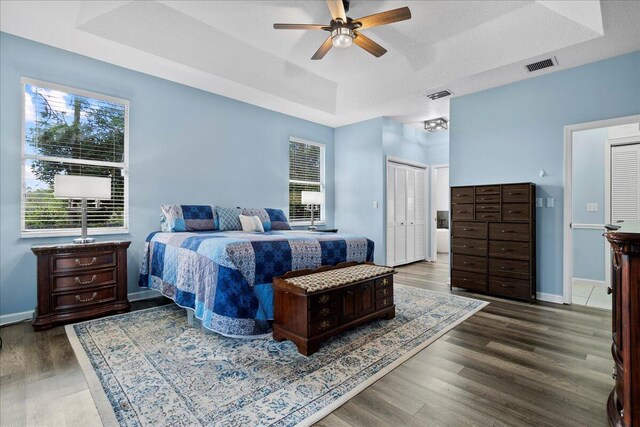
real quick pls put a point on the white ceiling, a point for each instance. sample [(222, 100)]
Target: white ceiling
[(231, 48)]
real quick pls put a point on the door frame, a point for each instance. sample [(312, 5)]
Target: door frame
[(433, 213), (567, 246), (392, 159)]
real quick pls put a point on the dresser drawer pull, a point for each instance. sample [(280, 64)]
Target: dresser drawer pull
[(468, 263), (485, 216), (508, 231), (506, 268), (325, 312), (506, 250), (80, 282), (486, 207), (506, 286), (466, 229), (515, 193), (462, 211), (385, 281), (95, 294), (385, 302), (324, 324), (462, 195), (323, 299), (515, 211), (385, 292), (93, 260)]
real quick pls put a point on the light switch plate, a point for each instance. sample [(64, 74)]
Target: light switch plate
[(538, 202), (592, 207), (550, 202)]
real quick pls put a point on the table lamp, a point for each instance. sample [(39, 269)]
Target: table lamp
[(82, 187), (313, 199)]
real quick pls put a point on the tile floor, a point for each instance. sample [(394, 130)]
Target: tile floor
[(591, 295)]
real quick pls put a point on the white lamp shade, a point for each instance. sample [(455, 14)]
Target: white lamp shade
[(312, 198), (81, 187)]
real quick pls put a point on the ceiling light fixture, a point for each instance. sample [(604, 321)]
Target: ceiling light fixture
[(438, 95), (342, 37), (433, 125)]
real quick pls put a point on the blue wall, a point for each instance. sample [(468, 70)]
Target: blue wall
[(509, 133), (588, 187), (186, 146)]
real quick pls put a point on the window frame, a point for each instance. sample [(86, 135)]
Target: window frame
[(62, 232), (323, 165)]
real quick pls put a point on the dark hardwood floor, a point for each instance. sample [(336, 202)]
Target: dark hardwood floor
[(511, 364)]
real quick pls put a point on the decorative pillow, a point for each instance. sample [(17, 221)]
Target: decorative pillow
[(251, 223), (176, 218), (228, 218), (278, 219), (260, 213)]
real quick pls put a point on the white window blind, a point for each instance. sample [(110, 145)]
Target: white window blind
[(306, 173), (68, 131), (625, 182)]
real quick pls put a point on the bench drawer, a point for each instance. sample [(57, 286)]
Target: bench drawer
[(384, 303), (324, 325), (384, 293), (383, 282), (323, 299)]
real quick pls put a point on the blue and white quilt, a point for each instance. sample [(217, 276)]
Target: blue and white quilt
[(225, 276)]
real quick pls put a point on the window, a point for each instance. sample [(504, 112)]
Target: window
[(68, 131), (306, 173)]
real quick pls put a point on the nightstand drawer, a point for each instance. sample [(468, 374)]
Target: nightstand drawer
[(82, 261), (83, 280), (84, 298)]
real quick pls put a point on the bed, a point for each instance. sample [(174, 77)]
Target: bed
[(225, 276)]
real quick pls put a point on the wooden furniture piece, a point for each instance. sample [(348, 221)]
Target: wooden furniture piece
[(80, 281), (493, 239), (308, 317), (623, 406)]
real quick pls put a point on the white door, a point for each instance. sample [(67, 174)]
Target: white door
[(625, 183), (420, 216), (391, 215), (411, 214), (400, 232)]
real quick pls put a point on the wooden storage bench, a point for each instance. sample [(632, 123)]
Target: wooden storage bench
[(313, 305)]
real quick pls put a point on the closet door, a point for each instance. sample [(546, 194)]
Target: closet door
[(411, 214), (400, 232), (420, 216), (625, 182), (391, 213)]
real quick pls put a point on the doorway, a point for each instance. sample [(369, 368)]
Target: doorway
[(440, 233), (602, 185)]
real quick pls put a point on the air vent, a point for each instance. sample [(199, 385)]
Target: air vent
[(545, 63), (438, 95)]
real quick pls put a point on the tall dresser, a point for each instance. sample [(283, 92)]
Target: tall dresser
[(493, 239), (623, 405)]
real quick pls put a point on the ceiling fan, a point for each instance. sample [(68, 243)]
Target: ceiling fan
[(345, 31)]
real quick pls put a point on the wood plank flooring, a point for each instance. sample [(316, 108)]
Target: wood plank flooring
[(512, 364)]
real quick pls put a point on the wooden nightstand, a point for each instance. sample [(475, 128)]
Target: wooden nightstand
[(80, 281)]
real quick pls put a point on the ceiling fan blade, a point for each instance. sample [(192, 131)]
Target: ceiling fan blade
[(337, 10), (299, 26), (384, 18), (369, 45), (322, 51)]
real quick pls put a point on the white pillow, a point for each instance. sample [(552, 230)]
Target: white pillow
[(251, 223)]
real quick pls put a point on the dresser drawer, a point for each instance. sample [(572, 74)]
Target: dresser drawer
[(462, 212), (83, 298), (487, 189), (515, 212), (487, 207), (513, 193), (384, 282), (324, 325), (384, 293), (324, 311), (508, 287), (509, 231), (473, 230), (488, 216), (473, 264), (384, 303), (462, 195), (90, 260), (464, 279), (509, 250), (324, 298), (83, 280), (469, 246), (509, 268), (487, 198)]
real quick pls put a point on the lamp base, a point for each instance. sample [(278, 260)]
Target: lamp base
[(81, 240)]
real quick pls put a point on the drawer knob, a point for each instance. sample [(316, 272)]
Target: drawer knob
[(324, 298), (325, 312), (324, 324), (385, 292), (80, 282), (93, 260), (95, 294), (385, 281), (385, 302)]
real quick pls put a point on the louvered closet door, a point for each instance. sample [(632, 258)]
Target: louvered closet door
[(420, 216), (400, 232), (411, 214), (625, 182), (391, 213)]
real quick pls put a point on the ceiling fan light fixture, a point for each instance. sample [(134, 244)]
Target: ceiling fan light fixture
[(342, 37)]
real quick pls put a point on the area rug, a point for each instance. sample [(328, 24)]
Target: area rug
[(149, 368)]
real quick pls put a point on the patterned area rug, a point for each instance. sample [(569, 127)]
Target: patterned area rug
[(149, 368)]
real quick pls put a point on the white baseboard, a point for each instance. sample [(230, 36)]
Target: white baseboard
[(542, 296), (6, 319), (589, 282)]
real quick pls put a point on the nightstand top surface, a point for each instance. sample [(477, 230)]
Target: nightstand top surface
[(85, 246)]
